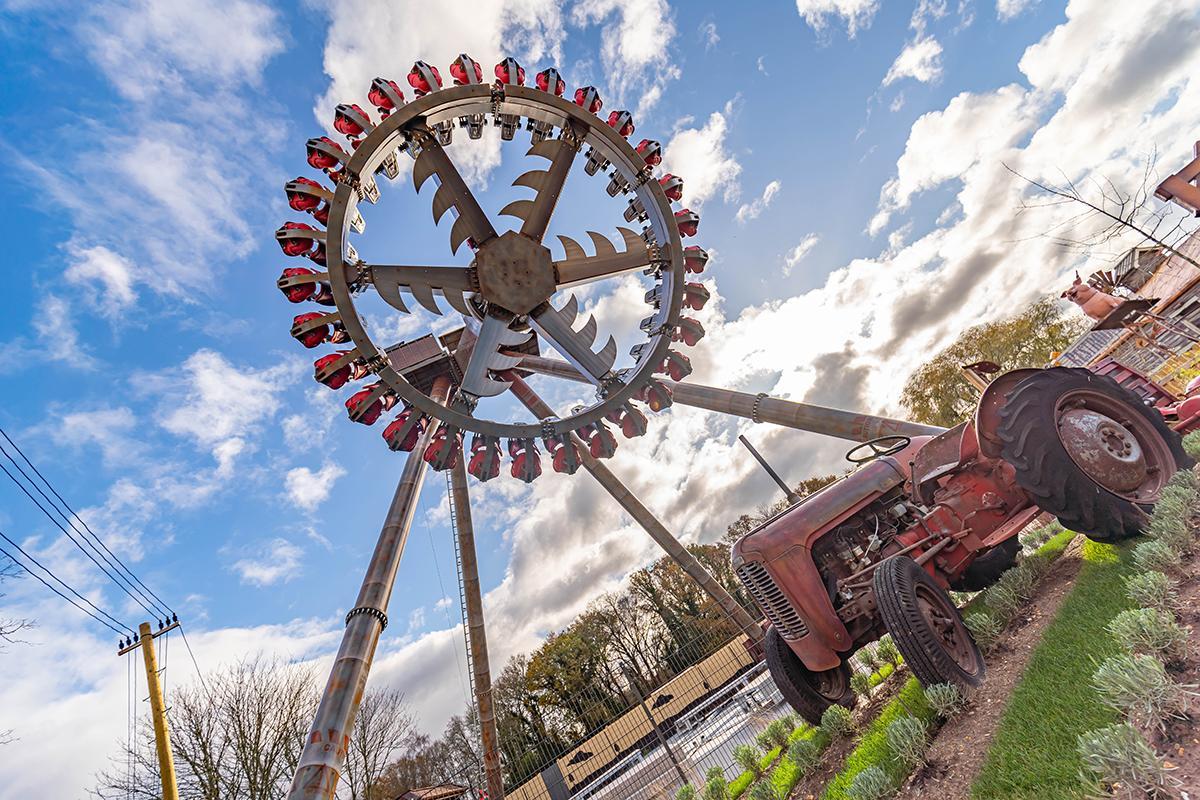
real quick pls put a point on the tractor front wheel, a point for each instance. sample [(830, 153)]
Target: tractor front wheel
[(926, 626), (1088, 451), (808, 692)]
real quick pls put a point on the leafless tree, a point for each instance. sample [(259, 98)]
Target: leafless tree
[(235, 737), (1108, 214), (383, 727), (10, 627)]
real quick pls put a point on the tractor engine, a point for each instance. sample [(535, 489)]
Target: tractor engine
[(960, 503)]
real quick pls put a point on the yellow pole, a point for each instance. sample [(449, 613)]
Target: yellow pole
[(162, 737)]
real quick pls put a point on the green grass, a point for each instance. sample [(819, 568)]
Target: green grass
[(1033, 748), (872, 749), (788, 774), (882, 675), (739, 785)]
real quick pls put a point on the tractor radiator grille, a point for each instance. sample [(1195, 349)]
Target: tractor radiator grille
[(772, 600)]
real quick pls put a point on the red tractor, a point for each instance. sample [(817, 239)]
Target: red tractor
[(879, 550)]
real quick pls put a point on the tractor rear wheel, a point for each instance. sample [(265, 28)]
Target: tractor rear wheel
[(987, 568), (808, 692), (1088, 451), (926, 626)]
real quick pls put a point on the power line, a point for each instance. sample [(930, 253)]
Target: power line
[(65, 585), (68, 535), (195, 664), (122, 582), (83, 522)]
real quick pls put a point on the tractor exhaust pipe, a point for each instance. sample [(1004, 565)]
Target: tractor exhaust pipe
[(761, 408)]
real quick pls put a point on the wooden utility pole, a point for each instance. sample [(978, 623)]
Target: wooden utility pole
[(158, 708)]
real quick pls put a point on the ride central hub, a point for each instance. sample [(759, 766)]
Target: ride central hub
[(515, 272)]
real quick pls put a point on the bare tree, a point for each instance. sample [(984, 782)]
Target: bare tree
[(383, 727), (10, 627), (1109, 214), (236, 737)]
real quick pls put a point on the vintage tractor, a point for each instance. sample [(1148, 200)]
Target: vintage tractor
[(878, 551)]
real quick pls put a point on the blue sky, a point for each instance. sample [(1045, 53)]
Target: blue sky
[(845, 157)]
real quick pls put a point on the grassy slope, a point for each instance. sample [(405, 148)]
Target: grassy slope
[(1033, 749), (872, 748)]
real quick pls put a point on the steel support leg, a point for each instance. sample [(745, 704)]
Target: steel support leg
[(643, 516), (477, 636), (761, 408), (324, 752)]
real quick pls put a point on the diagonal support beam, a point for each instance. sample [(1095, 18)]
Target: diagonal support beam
[(325, 748), (761, 408), (476, 634), (644, 517)]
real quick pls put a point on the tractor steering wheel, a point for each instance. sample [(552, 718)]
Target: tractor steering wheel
[(883, 446)]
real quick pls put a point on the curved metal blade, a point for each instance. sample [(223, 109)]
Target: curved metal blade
[(422, 283), (573, 248), (534, 179), (578, 267), (476, 381), (517, 208), (575, 346), (561, 153), (443, 201), (433, 160)]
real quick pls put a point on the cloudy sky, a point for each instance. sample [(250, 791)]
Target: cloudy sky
[(847, 159)]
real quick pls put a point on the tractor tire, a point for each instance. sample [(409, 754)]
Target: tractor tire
[(809, 693), (926, 625), (987, 568), (1105, 505)]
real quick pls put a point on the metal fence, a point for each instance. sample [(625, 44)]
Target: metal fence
[(666, 735)]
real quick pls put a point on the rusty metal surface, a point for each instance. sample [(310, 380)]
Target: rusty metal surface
[(803, 416), (987, 414), (325, 747), (477, 635), (514, 272), (1114, 445)]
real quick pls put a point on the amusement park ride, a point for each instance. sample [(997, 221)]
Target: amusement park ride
[(927, 509)]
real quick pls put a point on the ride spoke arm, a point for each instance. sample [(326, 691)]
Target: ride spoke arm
[(555, 326), (578, 267), (422, 283), (549, 184), (493, 334), (453, 192)]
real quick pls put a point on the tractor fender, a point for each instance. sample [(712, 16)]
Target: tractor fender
[(987, 414)]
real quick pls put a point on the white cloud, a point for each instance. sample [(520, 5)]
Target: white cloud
[(146, 48), (920, 60), (54, 324), (700, 157), (798, 253), (269, 563), (443, 603), (216, 403), (635, 47), (760, 204), (161, 196), (110, 429), (943, 145), (1008, 9), (856, 13), (98, 266), (762, 67), (308, 489), (708, 32)]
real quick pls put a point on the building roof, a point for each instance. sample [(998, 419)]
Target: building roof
[(444, 791)]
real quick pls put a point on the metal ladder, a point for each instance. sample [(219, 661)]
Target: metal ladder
[(462, 607), (462, 589)]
